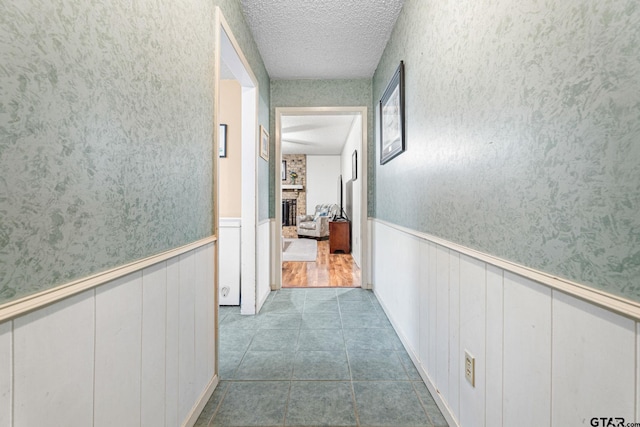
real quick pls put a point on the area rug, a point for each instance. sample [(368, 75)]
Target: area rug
[(300, 250)]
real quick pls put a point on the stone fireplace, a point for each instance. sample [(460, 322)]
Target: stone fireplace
[(295, 163)]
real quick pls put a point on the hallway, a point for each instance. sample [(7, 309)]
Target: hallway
[(316, 357)]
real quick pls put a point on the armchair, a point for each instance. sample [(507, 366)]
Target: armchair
[(317, 225)]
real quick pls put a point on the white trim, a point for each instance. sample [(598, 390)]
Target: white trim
[(365, 280), (277, 254), (243, 66), (264, 221), (230, 222), (215, 182), (276, 245), (200, 404), (262, 301), (39, 300), (603, 299), (364, 239), (250, 127)]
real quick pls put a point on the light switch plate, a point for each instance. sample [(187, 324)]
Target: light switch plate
[(470, 368)]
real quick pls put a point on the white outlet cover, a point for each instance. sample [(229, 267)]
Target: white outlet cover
[(470, 368)]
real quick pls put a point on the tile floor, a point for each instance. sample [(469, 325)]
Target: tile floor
[(316, 357)]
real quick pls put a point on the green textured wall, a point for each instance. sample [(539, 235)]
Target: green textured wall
[(106, 133), (523, 129), (320, 93)]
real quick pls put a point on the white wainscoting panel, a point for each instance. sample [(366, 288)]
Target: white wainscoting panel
[(187, 332), (210, 296), (383, 270), (52, 385), (371, 254), (423, 314), (404, 270), (172, 369), (527, 352), (400, 266), (432, 309), (202, 285), (543, 358), (204, 288), (118, 352), (455, 364), (472, 338), (593, 353), (495, 323), (154, 336), (123, 353), (442, 320), (6, 366), (408, 296)]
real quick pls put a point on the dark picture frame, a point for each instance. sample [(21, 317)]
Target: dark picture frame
[(283, 171), (392, 140), (354, 165), (222, 142)]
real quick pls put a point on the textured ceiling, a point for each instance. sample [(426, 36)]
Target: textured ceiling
[(315, 134), (321, 39)]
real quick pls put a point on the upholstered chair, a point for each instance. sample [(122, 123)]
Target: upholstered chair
[(317, 225)]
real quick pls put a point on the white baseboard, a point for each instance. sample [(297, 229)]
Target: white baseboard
[(200, 404), (262, 301)]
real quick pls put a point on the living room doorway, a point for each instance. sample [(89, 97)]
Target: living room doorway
[(320, 196)]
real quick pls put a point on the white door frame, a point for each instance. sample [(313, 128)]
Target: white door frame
[(362, 174), (228, 50)]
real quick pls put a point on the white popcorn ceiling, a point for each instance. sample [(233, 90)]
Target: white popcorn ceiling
[(321, 39)]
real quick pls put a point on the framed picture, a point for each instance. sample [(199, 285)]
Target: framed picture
[(392, 141), (264, 143), (283, 171), (354, 165), (222, 141)]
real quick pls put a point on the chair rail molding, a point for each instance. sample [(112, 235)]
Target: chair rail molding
[(603, 299), (41, 299)]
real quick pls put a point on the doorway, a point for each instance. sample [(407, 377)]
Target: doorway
[(237, 225), (323, 150)]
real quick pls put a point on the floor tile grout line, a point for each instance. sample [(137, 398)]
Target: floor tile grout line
[(422, 404), (215, 412), (244, 353), (294, 350), (353, 392), (406, 370), (286, 405)]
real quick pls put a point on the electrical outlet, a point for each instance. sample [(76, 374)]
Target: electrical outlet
[(470, 368)]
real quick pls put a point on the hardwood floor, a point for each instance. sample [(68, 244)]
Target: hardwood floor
[(329, 270)]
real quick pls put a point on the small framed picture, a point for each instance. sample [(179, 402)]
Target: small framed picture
[(354, 165), (283, 171), (264, 143), (392, 142), (222, 141)]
